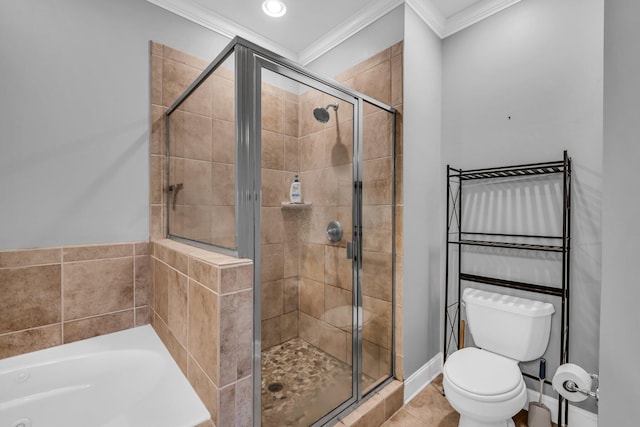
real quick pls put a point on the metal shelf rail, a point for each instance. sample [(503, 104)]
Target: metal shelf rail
[(461, 238)]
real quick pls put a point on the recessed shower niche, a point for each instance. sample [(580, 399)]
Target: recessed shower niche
[(323, 307)]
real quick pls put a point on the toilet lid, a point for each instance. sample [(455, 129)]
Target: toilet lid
[(481, 372)]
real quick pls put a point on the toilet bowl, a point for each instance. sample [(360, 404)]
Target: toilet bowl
[(485, 384), (485, 388)]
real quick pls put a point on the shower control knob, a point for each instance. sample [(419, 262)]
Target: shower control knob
[(334, 232)]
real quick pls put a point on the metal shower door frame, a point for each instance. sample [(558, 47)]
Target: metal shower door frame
[(250, 59), (262, 61)]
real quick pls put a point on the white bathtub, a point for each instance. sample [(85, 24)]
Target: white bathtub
[(123, 379)]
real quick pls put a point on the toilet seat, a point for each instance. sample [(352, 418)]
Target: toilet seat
[(483, 376)]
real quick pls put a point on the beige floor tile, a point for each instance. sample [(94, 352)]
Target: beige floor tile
[(404, 418), (431, 409)]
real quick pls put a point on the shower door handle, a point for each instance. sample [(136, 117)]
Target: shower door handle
[(350, 246)]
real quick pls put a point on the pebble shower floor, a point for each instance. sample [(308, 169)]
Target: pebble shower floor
[(301, 383)]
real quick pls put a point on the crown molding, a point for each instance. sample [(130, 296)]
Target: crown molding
[(473, 14), (347, 28), (425, 9), (429, 14), (221, 25)]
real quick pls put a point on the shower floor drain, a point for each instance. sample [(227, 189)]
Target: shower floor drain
[(275, 387)]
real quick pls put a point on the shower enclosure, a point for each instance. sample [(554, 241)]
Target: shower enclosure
[(323, 268)]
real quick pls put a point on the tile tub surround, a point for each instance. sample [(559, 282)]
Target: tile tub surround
[(53, 296), (202, 309)]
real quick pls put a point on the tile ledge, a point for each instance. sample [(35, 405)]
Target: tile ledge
[(208, 256)]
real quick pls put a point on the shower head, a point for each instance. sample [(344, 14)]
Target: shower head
[(322, 113)]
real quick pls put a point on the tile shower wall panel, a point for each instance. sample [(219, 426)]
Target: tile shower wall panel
[(202, 309), (280, 228), (325, 291), (202, 140), (325, 153), (59, 295)]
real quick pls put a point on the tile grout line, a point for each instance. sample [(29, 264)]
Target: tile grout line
[(20, 331), (95, 316)]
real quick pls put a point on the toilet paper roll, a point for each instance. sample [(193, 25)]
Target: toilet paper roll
[(571, 372)]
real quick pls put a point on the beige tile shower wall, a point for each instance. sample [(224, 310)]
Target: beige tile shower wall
[(171, 72), (54, 296), (203, 160), (281, 237), (381, 78), (325, 283), (325, 273), (202, 149), (202, 309), (293, 142), (202, 302)]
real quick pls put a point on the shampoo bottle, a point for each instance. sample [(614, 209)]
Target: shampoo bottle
[(295, 194)]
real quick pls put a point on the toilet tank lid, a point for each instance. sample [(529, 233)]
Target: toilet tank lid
[(520, 306)]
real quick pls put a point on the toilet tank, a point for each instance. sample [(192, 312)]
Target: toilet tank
[(514, 327)]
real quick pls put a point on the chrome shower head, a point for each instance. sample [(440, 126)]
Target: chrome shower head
[(322, 113)]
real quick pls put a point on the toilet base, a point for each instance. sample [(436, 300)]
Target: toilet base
[(468, 422)]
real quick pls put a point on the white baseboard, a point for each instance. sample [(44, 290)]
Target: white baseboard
[(577, 417), (422, 377)]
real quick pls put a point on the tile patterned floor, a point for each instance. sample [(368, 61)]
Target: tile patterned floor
[(431, 409), (313, 383)]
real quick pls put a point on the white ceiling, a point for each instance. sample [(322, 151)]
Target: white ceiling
[(312, 27)]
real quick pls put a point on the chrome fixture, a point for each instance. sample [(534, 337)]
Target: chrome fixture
[(334, 232), (322, 113), (572, 387)]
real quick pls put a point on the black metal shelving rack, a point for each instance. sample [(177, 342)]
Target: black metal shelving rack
[(457, 236)]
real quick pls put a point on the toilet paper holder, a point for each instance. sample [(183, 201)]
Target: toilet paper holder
[(572, 387)]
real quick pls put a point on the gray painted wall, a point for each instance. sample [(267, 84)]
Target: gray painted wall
[(74, 141), (619, 347), (423, 193), (540, 62), (74, 117)]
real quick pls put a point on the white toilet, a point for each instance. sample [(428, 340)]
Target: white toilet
[(485, 384)]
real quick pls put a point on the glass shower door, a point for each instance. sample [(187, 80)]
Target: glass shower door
[(306, 280), (378, 240)]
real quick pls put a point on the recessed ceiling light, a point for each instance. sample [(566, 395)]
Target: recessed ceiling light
[(274, 8)]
